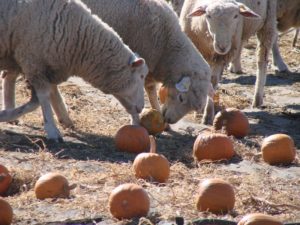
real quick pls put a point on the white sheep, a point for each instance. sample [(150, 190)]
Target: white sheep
[(288, 16), (49, 40), (219, 28), (152, 29)]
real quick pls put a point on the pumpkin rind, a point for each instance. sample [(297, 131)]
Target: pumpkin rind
[(133, 139), (128, 201), (153, 121), (216, 196), (234, 121), (259, 219), (213, 147), (151, 166), (5, 180), (278, 148), (6, 212), (52, 185)]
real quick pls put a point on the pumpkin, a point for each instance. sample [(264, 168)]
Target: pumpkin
[(216, 196), (153, 121), (259, 219), (278, 148), (52, 185), (234, 122), (129, 200), (151, 166), (5, 180), (163, 94), (133, 139), (6, 212), (212, 147)]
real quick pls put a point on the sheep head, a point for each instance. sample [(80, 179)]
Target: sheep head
[(188, 94), (131, 95), (222, 18)]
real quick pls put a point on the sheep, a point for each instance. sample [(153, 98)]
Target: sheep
[(177, 6), (288, 16), (152, 29), (218, 29), (50, 40)]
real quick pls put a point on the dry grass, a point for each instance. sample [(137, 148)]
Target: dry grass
[(89, 159)]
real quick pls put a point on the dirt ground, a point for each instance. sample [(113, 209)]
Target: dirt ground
[(89, 158)]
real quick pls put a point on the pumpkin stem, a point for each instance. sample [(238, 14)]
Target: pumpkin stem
[(72, 186), (152, 144)]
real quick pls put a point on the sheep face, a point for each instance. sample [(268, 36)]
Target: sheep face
[(186, 95), (222, 18), (132, 96)]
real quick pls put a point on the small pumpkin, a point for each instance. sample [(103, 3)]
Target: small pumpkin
[(259, 219), (151, 166), (216, 196), (128, 201), (163, 94), (212, 147), (133, 139), (234, 122), (52, 185), (5, 180), (278, 149), (6, 212), (153, 121)]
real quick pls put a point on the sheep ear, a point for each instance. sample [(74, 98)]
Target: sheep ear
[(247, 12), (137, 62), (184, 84), (199, 11)]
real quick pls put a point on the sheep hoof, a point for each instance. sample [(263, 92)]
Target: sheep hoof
[(67, 124), (258, 101), (54, 141)]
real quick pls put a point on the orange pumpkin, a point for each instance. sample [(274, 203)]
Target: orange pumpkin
[(129, 200), (213, 147), (6, 212), (153, 121), (132, 138), (259, 219), (52, 185), (234, 122), (278, 148), (5, 180), (151, 166), (163, 94), (216, 196)]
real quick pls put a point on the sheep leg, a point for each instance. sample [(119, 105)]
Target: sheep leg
[(277, 59), (14, 113), (43, 93), (59, 107), (8, 89), (235, 65), (152, 94), (295, 37)]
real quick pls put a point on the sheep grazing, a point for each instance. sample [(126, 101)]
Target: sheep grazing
[(151, 29), (66, 39), (219, 28)]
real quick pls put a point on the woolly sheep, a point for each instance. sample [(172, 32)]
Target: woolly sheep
[(151, 29), (218, 29), (66, 39), (288, 16)]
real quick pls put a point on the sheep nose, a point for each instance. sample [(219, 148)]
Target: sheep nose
[(222, 48)]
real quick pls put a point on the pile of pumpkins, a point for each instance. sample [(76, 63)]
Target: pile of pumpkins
[(131, 200)]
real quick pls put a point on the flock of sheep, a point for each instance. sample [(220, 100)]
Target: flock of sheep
[(122, 47)]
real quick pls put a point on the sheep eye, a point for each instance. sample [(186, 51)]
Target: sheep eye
[(235, 16), (208, 16), (142, 76)]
